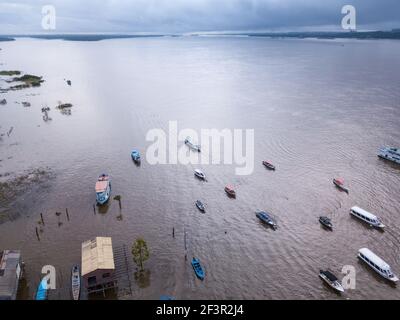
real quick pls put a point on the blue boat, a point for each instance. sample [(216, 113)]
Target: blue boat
[(266, 218), (103, 189), (41, 293), (164, 297), (135, 156), (198, 270)]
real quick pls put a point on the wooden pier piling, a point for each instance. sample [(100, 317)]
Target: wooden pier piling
[(37, 234)]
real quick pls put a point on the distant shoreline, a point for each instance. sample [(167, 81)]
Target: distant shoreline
[(365, 35)]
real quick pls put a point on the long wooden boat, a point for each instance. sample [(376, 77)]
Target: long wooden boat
[(75, 282)]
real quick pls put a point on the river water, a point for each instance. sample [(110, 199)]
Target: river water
[(319, 109)]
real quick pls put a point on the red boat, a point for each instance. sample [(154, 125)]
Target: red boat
[(339, 182), (230, 191), (269, 165)]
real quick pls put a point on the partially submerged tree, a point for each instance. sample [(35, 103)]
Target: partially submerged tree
[(140, 252)]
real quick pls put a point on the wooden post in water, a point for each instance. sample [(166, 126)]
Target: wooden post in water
[(41, 217), (184, 239), (173, 232), (94, 209), (37, 234), (66, 211), (118, 198)]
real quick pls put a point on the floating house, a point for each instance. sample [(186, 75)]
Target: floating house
[(98, 268), (10, 273)]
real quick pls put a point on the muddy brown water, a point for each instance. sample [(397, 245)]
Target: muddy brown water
[(320, 109)]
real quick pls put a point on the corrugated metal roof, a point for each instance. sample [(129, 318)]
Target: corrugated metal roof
[(97, 254)]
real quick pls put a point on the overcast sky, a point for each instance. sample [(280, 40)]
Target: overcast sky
[(180, 16)]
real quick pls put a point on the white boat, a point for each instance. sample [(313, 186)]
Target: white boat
[(389, 153), (377, 264), (191, 145), (331, 280), (366, 216), (200, 174)]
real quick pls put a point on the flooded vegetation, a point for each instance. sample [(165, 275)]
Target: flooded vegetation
[(10, 73), (25, 185), (28, 80), (65, 108)]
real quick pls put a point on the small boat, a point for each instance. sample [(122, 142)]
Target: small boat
[(198, 270), (390, 153), (41, 293), (199, 174), (326, 222), (135, 156), (339, 182), (75, 282), (230, 191), (103, 189), (165, 297), (331, 280), (268, 165), (191, 145), (266, 218), (200, 206)]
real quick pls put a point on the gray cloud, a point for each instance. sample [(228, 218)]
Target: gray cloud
[(23, 16)]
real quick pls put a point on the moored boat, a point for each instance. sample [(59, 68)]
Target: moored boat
[(199, 174), (165, 297), (390, 153), (103, 189), (198, 269), (331, 280), (41, 293), (230, 191), (191, 145), (326, 222), (377, 264), (135, 154), (266, 218), (75, 282), (339, 182), (200, 206), (268, 165), (367, 217)]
